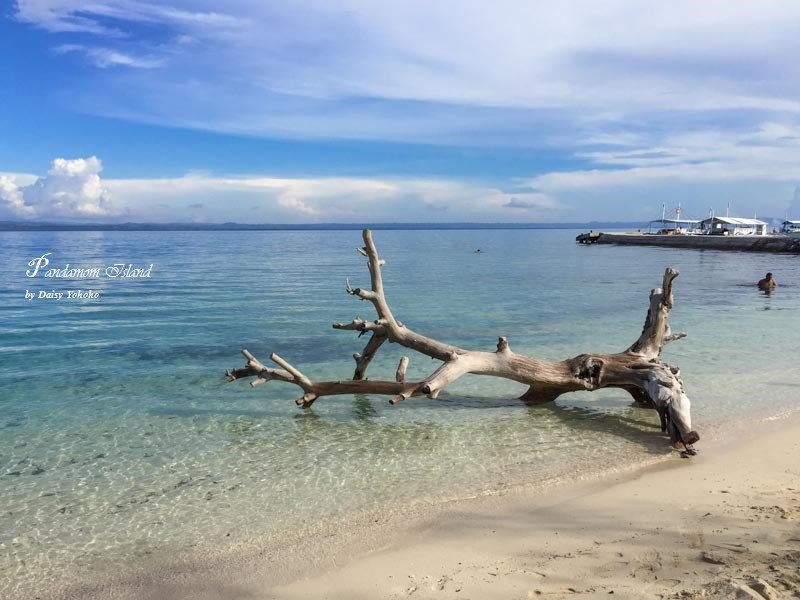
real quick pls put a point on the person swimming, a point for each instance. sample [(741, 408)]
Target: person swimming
[(768, 283)]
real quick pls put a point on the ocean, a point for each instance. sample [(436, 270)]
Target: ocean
[(120, 440)]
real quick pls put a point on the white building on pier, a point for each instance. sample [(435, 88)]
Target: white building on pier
[(733, 226)]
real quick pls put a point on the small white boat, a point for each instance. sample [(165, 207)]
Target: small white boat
[(670, 226)]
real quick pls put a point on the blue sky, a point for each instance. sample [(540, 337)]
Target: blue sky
[(310, 111)]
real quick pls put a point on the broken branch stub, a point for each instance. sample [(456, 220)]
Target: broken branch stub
[(639, 370)]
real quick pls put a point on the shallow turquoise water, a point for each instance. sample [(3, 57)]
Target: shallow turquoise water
[(118, 437)]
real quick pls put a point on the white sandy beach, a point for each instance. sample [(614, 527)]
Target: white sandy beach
[(725, 524)]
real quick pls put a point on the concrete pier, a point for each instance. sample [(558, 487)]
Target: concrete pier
[(745, 243)]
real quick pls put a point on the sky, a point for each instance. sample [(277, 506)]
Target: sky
[(311, 111)]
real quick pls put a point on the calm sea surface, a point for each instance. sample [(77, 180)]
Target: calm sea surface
[(119, 438)]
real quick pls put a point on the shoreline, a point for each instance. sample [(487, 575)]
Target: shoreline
[(441, 550)]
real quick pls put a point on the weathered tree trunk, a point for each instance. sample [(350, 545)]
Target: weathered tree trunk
[(638, 370)]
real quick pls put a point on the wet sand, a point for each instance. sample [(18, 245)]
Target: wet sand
[(725, 524)]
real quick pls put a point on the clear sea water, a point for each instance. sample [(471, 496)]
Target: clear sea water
[(119, 438)]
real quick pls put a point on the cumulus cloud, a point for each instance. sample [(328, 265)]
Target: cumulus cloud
[(260, 199), (71, 189), (11, 198), (295, 204)]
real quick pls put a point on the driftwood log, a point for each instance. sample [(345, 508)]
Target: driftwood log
[(638, 370)]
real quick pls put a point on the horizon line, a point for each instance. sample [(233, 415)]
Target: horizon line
[(233, 226)]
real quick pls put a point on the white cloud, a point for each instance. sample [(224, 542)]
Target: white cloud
[(295, 204), (104, 58), (517, 72), (755, 168), (682, 99), (79, 16), (769, 152), (258, 199), (72, 189), (759, 182), (11, 198)]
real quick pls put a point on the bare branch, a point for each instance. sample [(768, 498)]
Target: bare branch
[(359, 324), (296, 375), (674, 336), (656, 328), (363, 294), (400, 375), (371, 349), (252, 361)]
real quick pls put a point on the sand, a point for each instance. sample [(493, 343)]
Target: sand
[(725, 524)]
